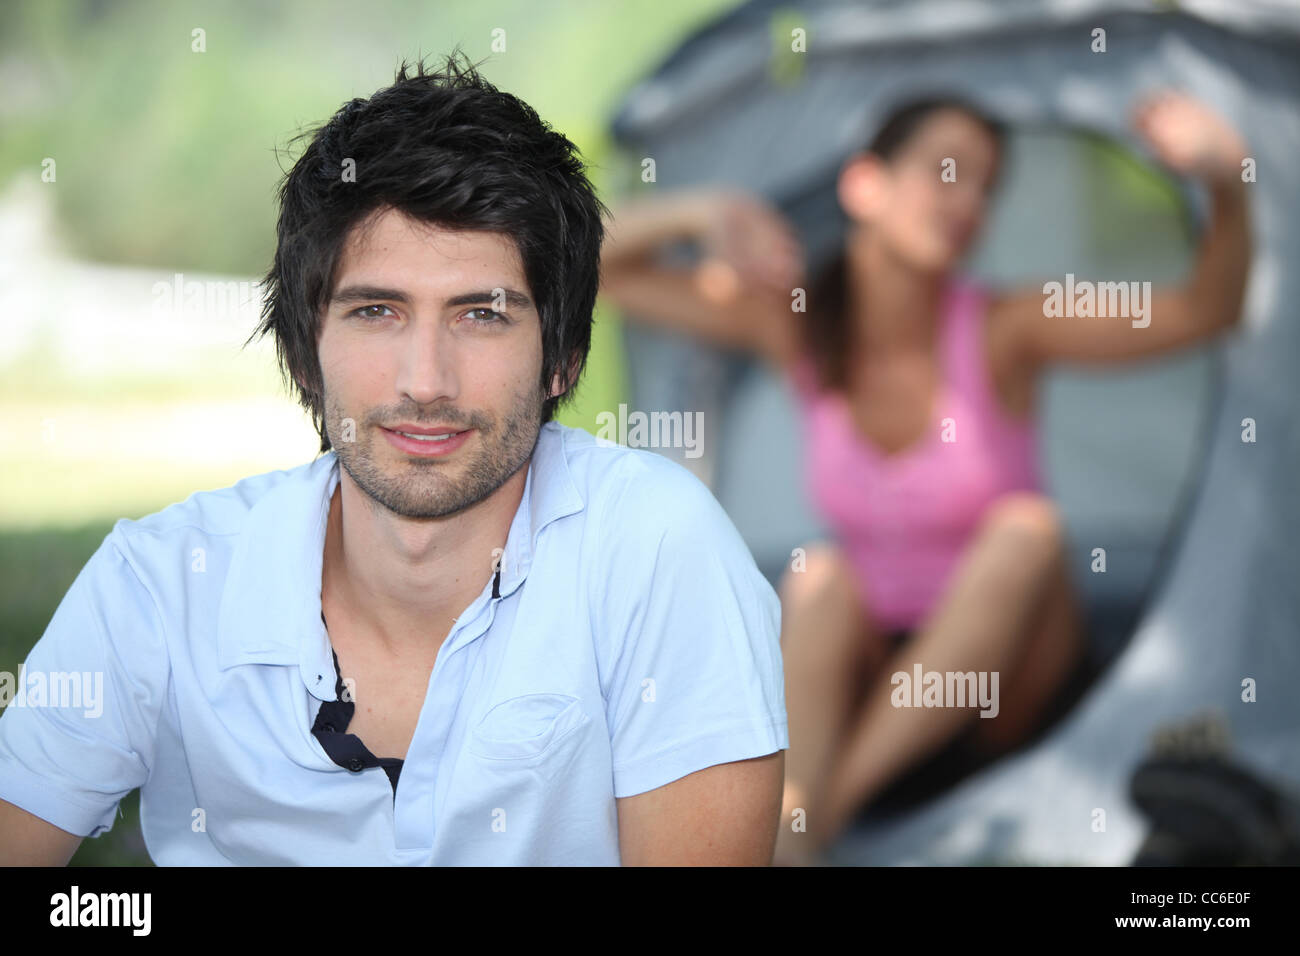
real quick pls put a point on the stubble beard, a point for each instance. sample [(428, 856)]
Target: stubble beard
[(436, 487)]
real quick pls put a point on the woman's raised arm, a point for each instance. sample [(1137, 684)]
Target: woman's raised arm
[(738, 295), (1192, 141)]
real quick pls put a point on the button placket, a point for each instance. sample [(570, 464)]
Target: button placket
[(412, 829)]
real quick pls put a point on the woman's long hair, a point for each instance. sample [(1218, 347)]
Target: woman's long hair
[(828, 330)]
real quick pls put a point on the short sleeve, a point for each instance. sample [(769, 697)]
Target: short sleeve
[(697, 677), (78, 732)]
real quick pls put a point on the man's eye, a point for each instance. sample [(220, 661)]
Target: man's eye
[(490, 316), (361, 313)]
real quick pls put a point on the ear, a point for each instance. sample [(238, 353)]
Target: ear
[(559, 384), (861, 186)]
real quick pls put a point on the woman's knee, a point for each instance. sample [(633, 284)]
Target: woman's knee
[(818, 574), (1030, 520)]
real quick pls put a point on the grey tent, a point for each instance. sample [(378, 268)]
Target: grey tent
[(1202, 527)]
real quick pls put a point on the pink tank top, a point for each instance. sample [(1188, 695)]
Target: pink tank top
[(905, 519)]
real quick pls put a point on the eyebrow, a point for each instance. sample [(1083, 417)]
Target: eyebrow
[(370, 293)]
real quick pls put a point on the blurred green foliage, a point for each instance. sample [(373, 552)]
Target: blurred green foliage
[(168, 157), (1144, 205)]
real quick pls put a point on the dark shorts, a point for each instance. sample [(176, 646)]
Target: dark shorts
[(963, 755)]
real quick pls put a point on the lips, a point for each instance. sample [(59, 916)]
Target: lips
[(423, 430), (429, 442), (431, 439)]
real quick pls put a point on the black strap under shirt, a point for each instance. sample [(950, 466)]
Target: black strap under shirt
[(332, 721), (346, 749)]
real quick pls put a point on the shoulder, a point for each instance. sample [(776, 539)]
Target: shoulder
[(153, 544), (1011, 313), (1010, 308), (1010, 318), (637, 497)]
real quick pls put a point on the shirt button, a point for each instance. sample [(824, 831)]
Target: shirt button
[(356, 765), (328, 728)]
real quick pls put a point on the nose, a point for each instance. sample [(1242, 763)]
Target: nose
[(427, 368)]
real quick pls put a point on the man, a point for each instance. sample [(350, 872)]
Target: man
[(465, 634)]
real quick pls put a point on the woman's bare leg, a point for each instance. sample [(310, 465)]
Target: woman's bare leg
[(827, 644), (1010, 610), (1056, 647)]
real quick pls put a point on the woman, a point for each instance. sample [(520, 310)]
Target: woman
[(916, 390)]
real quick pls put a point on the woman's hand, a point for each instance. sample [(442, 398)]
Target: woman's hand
[(746, 241), (738, 295), (1190, 138)]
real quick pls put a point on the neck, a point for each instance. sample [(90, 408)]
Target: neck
[(401, 582), (893, 305)]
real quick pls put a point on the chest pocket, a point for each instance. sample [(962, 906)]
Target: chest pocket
[(524, 731)]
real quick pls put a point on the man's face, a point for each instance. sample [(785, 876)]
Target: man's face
[(430, 329)]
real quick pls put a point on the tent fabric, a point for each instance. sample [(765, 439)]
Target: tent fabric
[(1226, 610)]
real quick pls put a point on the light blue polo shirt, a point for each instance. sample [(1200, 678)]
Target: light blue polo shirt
[(634, 641)]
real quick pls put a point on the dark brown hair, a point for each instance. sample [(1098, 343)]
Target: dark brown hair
[(827, 332)]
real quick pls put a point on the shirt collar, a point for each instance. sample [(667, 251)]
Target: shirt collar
[(549, 494), (270, 606)]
